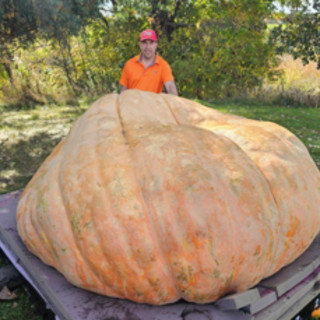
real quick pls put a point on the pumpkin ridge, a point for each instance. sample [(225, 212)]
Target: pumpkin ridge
[(171, 110), (76, 246), (148, 209), (284, 134), (129, 153), (281, 238), (43, 172), (121, 120), (258, 168), (47, 244), (291, 140), (262, 205), (23, 227), (182, 269), (107, 286), (276, 202), (234, 244), (96, 176), (119, 292), (299, 164), (66, 207), (64, 200), (161, 250), (152, 219), (297, 160), (161, 245), (294, 158)]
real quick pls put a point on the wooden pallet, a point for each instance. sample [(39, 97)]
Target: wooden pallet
[(281, 296)]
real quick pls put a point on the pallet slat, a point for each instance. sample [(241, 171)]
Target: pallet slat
[(238, 300), (279, 297), (283, 310), (267, 297), (295, 272)]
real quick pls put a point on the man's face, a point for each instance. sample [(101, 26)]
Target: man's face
[(148, 48)]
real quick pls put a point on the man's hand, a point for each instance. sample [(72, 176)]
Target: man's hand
[(171, 87), (123, 88)]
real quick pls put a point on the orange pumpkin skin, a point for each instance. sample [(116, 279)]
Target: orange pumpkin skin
[(154, 198)]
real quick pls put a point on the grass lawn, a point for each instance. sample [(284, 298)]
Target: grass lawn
[(28, 136), (20, 308)]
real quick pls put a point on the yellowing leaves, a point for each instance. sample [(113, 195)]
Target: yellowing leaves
[(10, 15)]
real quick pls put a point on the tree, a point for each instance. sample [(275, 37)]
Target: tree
[(22, 21), (299, 34), (216, 47), (164, 16), (226, 53)]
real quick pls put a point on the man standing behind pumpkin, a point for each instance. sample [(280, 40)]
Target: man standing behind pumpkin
[(148, 71)]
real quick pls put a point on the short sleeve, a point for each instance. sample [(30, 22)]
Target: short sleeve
[(124, 76), (166, 72)]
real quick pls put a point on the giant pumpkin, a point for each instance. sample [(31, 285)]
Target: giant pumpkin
[(154, 198)]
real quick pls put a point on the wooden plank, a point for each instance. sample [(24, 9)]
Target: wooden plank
[(290, 303), (71, 303), (267, 297), (238, 300), (295, 272), (301, 303), (213, 314)]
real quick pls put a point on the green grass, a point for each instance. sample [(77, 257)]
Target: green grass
[(18, 309), (28, 136)]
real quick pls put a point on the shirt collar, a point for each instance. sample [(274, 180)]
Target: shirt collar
[(138, 59)]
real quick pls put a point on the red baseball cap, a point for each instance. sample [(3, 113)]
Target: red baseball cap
[(148, 35)]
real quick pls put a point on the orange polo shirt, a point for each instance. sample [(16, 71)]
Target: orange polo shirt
[(136, 76)]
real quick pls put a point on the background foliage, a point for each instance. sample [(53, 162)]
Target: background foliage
[(300, 32), (56, 51)]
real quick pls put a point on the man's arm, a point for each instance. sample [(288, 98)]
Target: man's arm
[(171, 87), (124, 78), (123, 88)]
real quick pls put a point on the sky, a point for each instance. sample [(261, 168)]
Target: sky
[(286, 9)]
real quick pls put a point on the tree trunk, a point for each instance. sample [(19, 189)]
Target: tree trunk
[(7, 59), (67, 69), (7, 68)]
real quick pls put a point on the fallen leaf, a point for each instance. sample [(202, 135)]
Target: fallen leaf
[(6, 294)]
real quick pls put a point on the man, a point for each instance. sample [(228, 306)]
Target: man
[(148, 71)]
